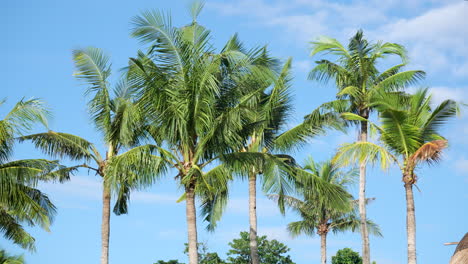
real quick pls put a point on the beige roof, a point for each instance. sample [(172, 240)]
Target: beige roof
[(460, 256)]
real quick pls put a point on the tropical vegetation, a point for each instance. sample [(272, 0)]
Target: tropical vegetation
[(207, 117), (359, 81), (410, 133), (21, 202), (319, 212), (346, 256)]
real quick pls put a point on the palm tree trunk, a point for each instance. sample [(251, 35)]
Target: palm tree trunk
[(362, 201), (191, 225), (253, 218), (105, 227), (323, 247), (106, 198), (410, 224)]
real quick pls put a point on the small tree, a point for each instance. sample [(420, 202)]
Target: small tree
[(205, 257), (269, 251), (173, 261), (346, 256)]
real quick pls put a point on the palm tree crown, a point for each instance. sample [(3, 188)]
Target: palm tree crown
[(359, 82), (20, 200)]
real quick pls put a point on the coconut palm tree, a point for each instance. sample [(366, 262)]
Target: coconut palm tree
[(269, 115), (199, 114), (357, 78), (410, 134), (318, 210), (117, 116), (20, 200)]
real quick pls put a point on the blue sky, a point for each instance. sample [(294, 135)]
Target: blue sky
[(38, 38)]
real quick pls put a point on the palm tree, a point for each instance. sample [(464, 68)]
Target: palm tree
[(5, 258), (358, 80), (199, 114), (117, 116), (20, 200), (269, 114), (318, 210), (409, 132)]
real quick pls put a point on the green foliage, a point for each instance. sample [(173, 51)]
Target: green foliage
[(5, 258), (269, 251), (205, 257), (323, 211), (20, 200), (168, 262), (409, 132), (346, 256)]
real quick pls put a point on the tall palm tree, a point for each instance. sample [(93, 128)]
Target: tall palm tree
[(357, 78), (117, 116), (20, 200), (269, 115), (409, 132), (318, 210), (199, 115)]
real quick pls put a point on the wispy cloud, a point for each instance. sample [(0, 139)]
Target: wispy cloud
[(425, 32), (441, 93), (436, 39), (461, 165)]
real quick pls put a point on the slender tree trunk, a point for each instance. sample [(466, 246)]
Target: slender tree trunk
[(410, 223), (191, 225), (362, 201), (106, 199), (105, 227), (323, 247), (253, 218)]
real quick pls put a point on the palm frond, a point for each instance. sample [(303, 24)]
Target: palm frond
[(363, 152), (429, 152), (93, 68), (58, 144)]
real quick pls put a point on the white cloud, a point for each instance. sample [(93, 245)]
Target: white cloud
[(461, 165), (303, 66), (436, 39), (440, 94)]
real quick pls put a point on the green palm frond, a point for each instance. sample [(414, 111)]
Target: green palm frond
[(156, 28), (12, 230), (352, 223), (93, 68), (24, 114), (300, 227), (439, 116), (214, 193), (328, 45), (58, 144), (363, 152), (401, 80)]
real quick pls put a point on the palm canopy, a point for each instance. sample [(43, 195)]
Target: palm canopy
[(199, 103), (355, 72), (197, 99), (322, 212), (20, 200), (409, 129), (118, 117)]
